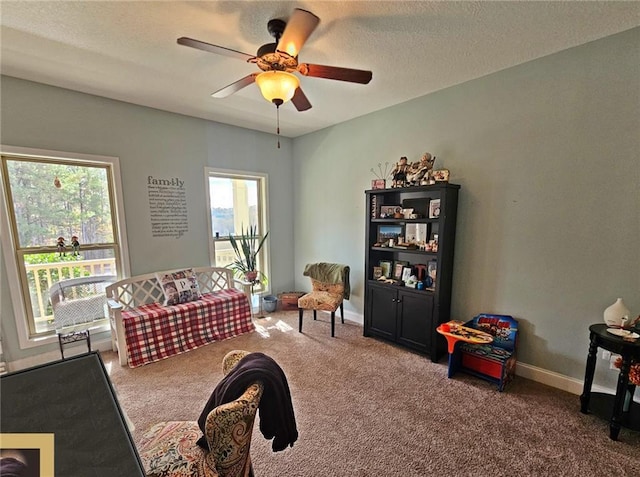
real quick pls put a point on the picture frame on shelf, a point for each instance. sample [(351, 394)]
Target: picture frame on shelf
[(441, 175), (377, 272), (388, 211), (406, 273), (416, 233), (398, 267), (386, 232), (386, 266), (434, 208), (378, 184)]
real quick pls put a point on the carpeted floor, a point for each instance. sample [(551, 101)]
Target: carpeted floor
[(368, 408)]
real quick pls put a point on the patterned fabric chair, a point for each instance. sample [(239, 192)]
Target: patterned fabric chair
[(330, 286), (169, 449)]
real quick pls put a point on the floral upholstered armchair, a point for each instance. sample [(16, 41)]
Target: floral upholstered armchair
[(169, 449), (330, 284)]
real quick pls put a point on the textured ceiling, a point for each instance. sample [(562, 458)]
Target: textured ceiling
[(128, 50)]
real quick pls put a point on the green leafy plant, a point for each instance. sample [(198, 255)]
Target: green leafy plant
[(247, 246)]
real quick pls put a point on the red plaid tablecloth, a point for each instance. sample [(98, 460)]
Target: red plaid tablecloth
[(154, 332)]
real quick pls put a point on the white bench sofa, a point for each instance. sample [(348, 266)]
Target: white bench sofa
[(143, 330)]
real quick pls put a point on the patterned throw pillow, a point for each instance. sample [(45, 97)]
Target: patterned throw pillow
[(180, 286)]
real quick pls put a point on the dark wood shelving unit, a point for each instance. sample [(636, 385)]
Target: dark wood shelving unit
[(404, 315)]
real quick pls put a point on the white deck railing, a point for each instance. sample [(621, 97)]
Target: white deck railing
[(41, 277)]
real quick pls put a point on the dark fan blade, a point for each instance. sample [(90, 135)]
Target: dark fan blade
[(235, 87), (299, 27), (335, 73), (300, 101), (220, 50)]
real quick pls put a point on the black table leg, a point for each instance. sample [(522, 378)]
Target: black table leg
[(618, 403), (588, 375)]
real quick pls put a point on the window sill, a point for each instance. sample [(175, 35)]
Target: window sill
[(36, 341)]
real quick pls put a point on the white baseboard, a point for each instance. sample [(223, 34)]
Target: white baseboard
[(353, 316), (559, 381), (348, 315), (550, 378)]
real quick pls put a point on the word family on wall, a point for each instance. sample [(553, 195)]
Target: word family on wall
[(167, 207)]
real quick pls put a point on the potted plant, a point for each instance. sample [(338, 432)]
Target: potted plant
[(247, 246)]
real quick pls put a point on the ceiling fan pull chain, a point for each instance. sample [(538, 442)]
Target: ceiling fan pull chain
[(278, 123)]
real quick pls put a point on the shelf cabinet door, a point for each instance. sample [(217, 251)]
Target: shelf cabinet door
[(381, 308), (415, 319)]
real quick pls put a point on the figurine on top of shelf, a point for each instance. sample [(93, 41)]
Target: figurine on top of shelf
[(419, 172), (75, 245), (61, 247), (399, 173)]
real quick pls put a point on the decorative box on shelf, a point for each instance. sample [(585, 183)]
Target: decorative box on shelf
[(378, 184), (289, 300)]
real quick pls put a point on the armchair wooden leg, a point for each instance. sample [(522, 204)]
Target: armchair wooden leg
[(315, 315), (342, 312), (300, 311), (333, 324)]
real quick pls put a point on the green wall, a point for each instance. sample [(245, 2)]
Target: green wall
[(548, 157)]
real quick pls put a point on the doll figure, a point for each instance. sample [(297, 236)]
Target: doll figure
[(419, 171), (399, 173), (75, 245), (61, 247)]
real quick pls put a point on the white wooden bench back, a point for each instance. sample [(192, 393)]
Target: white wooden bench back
[(145, 289)]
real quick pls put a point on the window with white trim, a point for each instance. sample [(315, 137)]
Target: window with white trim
[(237, 201), (61, 220)]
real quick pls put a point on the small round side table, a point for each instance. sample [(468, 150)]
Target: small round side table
[(620, 411)]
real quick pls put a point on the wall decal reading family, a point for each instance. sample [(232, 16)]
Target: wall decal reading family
[(167, 207)]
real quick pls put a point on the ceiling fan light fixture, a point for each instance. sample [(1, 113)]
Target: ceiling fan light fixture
[(277, 86)]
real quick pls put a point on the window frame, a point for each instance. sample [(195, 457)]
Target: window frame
[(263, 217), (10, 241)]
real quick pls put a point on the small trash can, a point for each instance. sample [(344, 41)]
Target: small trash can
[(270, 303)]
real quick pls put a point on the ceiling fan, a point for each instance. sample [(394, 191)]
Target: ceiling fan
[(279, 60)]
